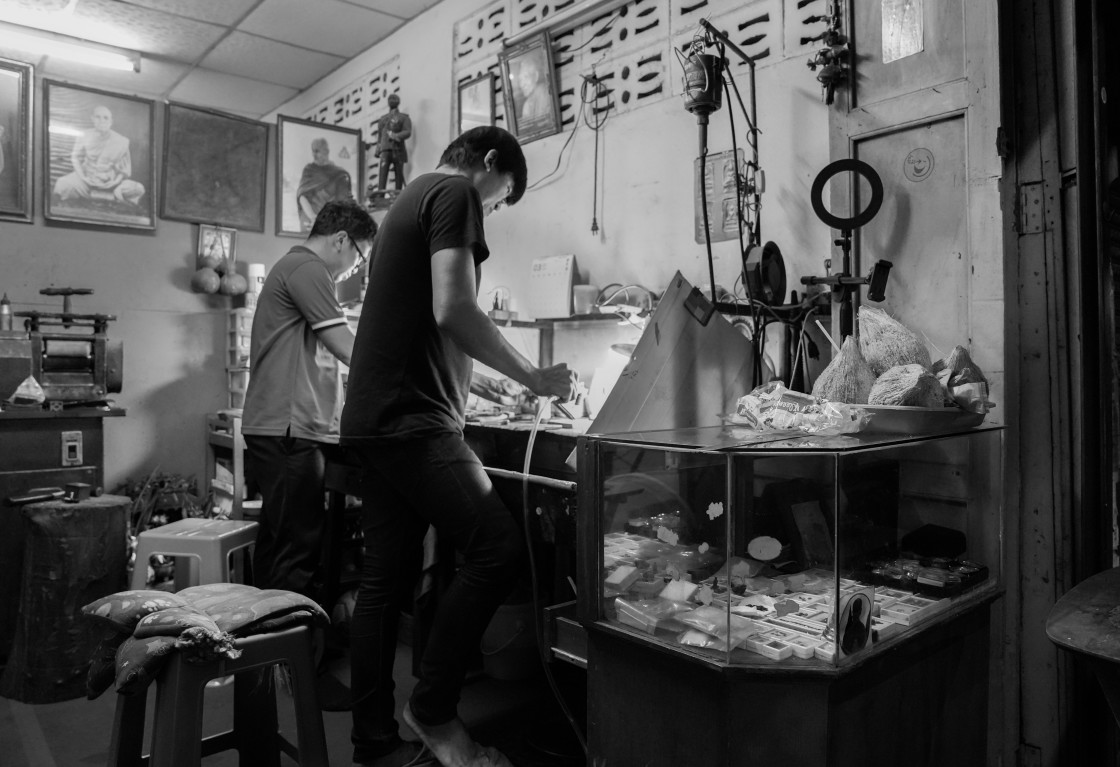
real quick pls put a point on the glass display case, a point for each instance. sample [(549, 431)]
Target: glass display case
[(752, 550)]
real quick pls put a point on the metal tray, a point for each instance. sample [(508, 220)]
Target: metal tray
[(896, 419)]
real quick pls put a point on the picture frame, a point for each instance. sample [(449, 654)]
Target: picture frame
[(215, 168), (529, 89), (475, 103), (17, 81), (216, 242), (98, 157), (306, 179)]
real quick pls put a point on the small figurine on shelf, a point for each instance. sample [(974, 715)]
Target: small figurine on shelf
[(392, 129)]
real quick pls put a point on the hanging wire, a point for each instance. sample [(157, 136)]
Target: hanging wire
[(560, 156), (603, 31)]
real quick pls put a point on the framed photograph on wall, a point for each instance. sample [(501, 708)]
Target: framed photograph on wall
[(529, 89), (317, 163), (215, 168), (476, 102), (16, 87), (215, 242), (98, 157)]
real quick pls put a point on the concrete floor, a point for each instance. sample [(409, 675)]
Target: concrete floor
[(520, 717)]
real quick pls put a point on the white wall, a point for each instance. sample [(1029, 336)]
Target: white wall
[(646, 156), (175, 340)]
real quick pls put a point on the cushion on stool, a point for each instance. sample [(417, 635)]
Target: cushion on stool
[(201, 621), (123, 610)]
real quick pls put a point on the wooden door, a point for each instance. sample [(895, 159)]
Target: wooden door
[(922, 105)]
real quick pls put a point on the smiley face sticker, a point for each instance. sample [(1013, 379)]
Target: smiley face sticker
[(918, 165)]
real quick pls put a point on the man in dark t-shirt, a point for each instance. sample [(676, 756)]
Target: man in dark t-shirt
[(410, 374)]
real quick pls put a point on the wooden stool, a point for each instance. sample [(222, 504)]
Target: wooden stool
[(177, 725), (1086, 622), (210, 541)]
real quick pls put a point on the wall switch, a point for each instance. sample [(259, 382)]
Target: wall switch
[(71, 448)]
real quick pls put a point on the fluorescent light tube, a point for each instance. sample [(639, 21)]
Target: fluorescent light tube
[(69, 48)]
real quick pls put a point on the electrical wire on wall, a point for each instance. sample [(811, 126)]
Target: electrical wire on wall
[(600, 116), (593, 118)]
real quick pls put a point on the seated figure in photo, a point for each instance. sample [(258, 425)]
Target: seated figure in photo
[(102, 165)]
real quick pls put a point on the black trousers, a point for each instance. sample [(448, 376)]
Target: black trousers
[(391, 159), (406, 486), (292, 539)]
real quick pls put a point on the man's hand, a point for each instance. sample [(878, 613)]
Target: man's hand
[(555, 381), (500, 390)]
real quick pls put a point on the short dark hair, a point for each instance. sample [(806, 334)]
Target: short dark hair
[(344, 216), (469, 150)]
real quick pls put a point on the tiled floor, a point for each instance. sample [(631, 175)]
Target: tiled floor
[(519, 717)]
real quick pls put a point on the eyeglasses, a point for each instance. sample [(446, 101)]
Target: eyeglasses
[(362, 256)]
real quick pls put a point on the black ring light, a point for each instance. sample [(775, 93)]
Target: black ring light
[(858, 167)]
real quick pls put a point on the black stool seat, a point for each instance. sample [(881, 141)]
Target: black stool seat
[(177, 728)]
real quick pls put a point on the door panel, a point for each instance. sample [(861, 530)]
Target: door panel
[(940, 59), (922, 228)]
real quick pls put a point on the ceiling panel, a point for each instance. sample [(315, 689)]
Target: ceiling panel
[(126, 26), (229, 93), (405, 9), (325, 25), (233, 55), (224, 12), (267, 60)]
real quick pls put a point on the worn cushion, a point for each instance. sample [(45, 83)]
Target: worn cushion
[(123, 610), (144, 627)]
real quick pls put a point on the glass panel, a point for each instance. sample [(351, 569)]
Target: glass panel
[(664, 531), (813, 554)]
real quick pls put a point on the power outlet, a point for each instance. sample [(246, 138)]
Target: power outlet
[(71, 448)]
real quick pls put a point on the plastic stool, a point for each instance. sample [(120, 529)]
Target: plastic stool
[(177, 725), (210, 541)]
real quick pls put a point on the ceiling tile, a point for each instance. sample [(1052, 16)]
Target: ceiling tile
[(405, 9), (154, 79), (270, 61), (238, 95), (213, 11), (125, 26), (325, 25)]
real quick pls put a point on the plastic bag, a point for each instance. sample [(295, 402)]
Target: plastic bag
[(773, 407)]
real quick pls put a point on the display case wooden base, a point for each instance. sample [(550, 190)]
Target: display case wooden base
[(924, 702)]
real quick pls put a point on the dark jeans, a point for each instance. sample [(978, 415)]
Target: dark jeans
[(293, 524), (405, 487), (394, 160)]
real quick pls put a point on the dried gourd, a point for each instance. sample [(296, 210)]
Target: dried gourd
[(848, 378), (909, 385), (887, 343)]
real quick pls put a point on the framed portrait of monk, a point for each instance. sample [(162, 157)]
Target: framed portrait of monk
[(215, 168), (98, 157), (16, 88), (317, 163), (529, 89)]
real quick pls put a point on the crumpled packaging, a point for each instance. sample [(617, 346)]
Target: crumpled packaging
[(964, 380), (773, 407)]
